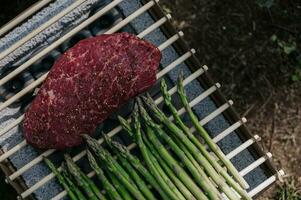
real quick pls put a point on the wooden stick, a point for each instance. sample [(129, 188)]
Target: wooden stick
[(40, 29), (24, 15)]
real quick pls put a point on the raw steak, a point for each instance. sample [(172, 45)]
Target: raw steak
[(86, 84)]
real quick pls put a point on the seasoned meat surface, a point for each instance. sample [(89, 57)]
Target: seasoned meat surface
[(86, 84)]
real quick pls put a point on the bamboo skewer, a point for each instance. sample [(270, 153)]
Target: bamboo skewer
[(17, 20), (34, 84), (233, 127), (56, 43), (245, 145), (42, 78), (40, 29), (255, 164), (266, 183), (141, 35)]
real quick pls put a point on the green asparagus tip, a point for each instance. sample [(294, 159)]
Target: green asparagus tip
[(149, 101), (163, 85), (136, 109), (89, 139), (163, 82), (45, 159), (180, 85), (90, 156), (181, 76), (68, 158), (166, 95), (141, 108), (122, 120), (121, 148), (86, 136), (154, 108), (69, 162), (135, 120), (107, 139), (48, 162), (93, 144), (125, 125), (142, 111), (148, 95), (64, 167), (139, 102), (147, 119), (146, 101)]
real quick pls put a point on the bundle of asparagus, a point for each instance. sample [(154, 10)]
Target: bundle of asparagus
[(174, 164)]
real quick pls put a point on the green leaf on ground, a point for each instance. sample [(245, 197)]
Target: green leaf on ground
[(288, 191)]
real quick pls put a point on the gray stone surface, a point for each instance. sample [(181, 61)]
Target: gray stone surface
[(49, 34)]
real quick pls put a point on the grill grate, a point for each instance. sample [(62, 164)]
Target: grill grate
[(210, 115)]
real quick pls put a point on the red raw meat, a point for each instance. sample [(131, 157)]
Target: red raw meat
[(86, 84)]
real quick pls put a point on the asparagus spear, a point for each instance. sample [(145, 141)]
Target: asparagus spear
[(137, 129), (204, 161), (169, 181), (117, 184), (119, 187), (179, 122), (185, 129), (100, 174), (154, 154), (190, 157), (129, 185), (82, 180), (76, 190), (124, 152), (126, 126), (138, 180), (112, 167), (61, 179), (183, 176), (94, 188), (201, 178), (93, 144), (195, 163), (152, 167), (214, 147)]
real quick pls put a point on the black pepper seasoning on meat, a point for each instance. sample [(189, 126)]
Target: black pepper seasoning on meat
[(92, 79)]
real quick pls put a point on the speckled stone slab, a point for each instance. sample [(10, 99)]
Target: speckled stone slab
[(49, 34)]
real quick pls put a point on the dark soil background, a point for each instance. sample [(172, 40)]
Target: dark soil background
[(253, 49)]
